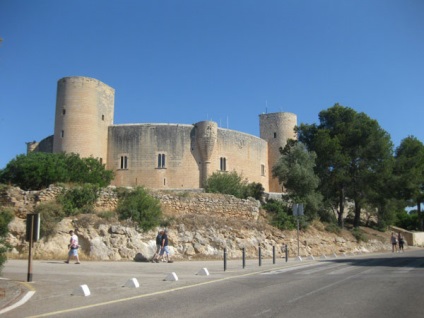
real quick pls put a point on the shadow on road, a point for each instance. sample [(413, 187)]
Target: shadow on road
[(396, 260)]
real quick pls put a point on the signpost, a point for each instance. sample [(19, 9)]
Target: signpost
[(32, 235), (298, 212)]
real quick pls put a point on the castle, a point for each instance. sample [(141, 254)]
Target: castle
[(161, 156)]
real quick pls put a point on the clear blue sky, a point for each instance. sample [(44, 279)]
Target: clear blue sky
[(229, 61)]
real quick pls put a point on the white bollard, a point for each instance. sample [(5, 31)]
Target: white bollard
[(132, 283), (203, 272), (82, 290), (171, 277)]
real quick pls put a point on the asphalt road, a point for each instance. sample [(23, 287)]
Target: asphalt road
[(384, 285)]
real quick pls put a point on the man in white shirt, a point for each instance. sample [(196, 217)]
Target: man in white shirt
[(73, 247)]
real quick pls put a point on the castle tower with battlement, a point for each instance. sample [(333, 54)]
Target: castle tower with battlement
[(276, 129), (84, 112)]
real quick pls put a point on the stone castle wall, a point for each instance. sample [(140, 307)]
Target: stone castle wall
[(186, 162)]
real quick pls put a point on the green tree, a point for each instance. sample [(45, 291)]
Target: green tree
[(295, 170), (409, 171), (6, 215), (353, 152), (35, 171), (140, 207), (87, 170), (38, 170)]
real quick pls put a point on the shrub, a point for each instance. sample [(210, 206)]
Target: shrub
[(233, 183), (6, 215), (333, 228), (79, 200), (359, 235), (107, 215), (226, 183), (254, 190), (140, 207), (279, 214), (51, 213)]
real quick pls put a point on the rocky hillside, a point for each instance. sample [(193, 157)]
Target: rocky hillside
[(201, 226)]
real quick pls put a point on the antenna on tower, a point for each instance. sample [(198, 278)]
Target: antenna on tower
[(266, 106)]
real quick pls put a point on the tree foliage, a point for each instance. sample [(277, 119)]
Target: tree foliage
[(409, 172), (38, 170), (353, 157), (140, 207), (6, 216)]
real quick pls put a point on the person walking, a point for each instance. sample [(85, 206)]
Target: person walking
[(155, 257), (401, 242), (165, 248), (394, 242), (73, 247)]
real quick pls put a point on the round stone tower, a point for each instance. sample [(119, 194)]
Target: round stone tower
[(276, 129), (84, 111), (206, 138)]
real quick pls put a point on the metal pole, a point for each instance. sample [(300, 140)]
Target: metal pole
[(298, 248), (225, 259), (273, 254), (287, 253), (29, 275), (260, 257), (244, 257)]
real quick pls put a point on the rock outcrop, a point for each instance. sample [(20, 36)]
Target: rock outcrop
[(201, 226)]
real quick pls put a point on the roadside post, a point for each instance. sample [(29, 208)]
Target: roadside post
[(32, 235), (260, 255), (298, 212)]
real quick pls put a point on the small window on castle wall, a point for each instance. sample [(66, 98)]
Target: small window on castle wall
[(262, 170), (124, 162), (223, 164), (63, 111), (275, 135), (62, 133), (161, 160), (103, 117)]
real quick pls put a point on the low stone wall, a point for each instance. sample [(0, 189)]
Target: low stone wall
[(173, 203), (412, 238)]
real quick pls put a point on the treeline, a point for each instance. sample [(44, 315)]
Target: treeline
[(347, 164)]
